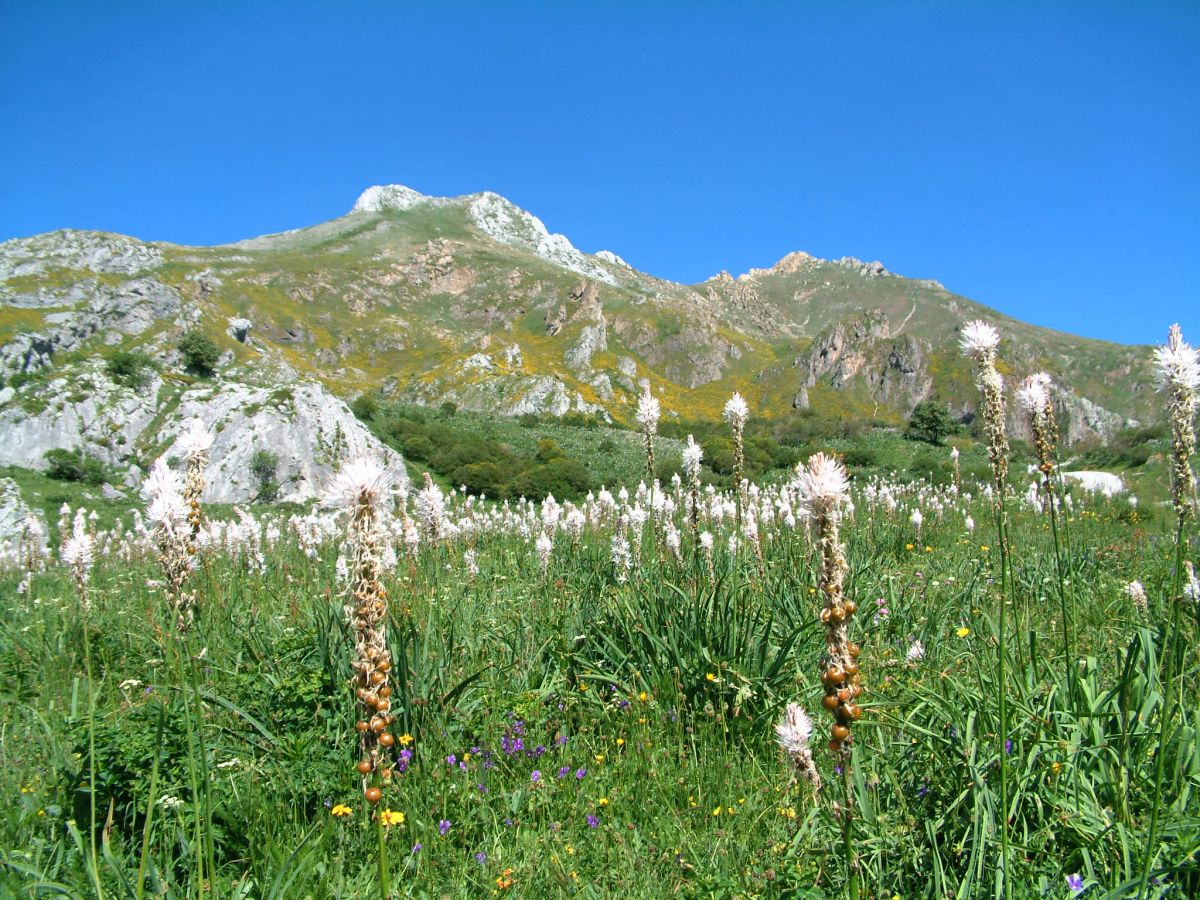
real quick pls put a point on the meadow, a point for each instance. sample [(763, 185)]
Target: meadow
[(585, 698)]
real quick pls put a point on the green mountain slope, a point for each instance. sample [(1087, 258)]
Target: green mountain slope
[(471, 300)]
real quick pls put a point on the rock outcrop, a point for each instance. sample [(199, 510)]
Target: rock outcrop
[(309, 430)]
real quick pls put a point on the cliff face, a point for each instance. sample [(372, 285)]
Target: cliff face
[(475, 301)]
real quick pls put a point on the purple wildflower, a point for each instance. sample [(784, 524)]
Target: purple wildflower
[(592, 821), (1075, 883), (443, 827)]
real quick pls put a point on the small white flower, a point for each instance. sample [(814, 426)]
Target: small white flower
[(1137, 593), (794, 729), (916, 652), (544, 547)]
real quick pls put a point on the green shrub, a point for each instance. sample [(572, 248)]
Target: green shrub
[(200, 354), (263, 466), (129, 368), (365, 408), (548, 450), (74, 465)]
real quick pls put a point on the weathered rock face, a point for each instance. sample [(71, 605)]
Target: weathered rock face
[(693, 355), (592, 339), (303, 424), (111, 312), (70, 250), (310, 431), (507, 395), (85, 411), (894, 369)]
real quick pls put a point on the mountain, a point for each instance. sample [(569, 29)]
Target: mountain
[(472, 300)]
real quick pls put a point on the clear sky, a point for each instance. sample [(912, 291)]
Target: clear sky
[(1042, 158)]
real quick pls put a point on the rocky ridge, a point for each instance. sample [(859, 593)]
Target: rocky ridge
[(472, 300)]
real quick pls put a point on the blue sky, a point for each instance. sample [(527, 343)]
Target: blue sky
[(1041, 158)]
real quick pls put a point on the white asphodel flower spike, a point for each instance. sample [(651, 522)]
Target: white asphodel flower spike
[(1177, 363), (1032, 395), (648, 411), (979, 340), (362, 481), (195, 440), (692, 454), (164, 489), (823, 482), (736, 411)]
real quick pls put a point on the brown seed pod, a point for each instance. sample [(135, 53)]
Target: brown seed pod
[(854, 711), (830, 702), (854, 649), (373, 795), (386, 739), (840, 732), (361, 726), (851, 607), (385, 691), (835, 674), (383, 704), (378, 678), (845, 695), (852, 669), (835, 746), (364, 767)]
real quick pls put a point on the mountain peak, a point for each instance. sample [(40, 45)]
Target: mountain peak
[(379, 197)]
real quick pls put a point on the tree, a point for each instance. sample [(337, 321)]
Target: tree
[(930, 422), (200, 354)]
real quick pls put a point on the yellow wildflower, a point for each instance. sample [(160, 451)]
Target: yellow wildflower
[(341, 811), (390, 818), (963, 631)]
